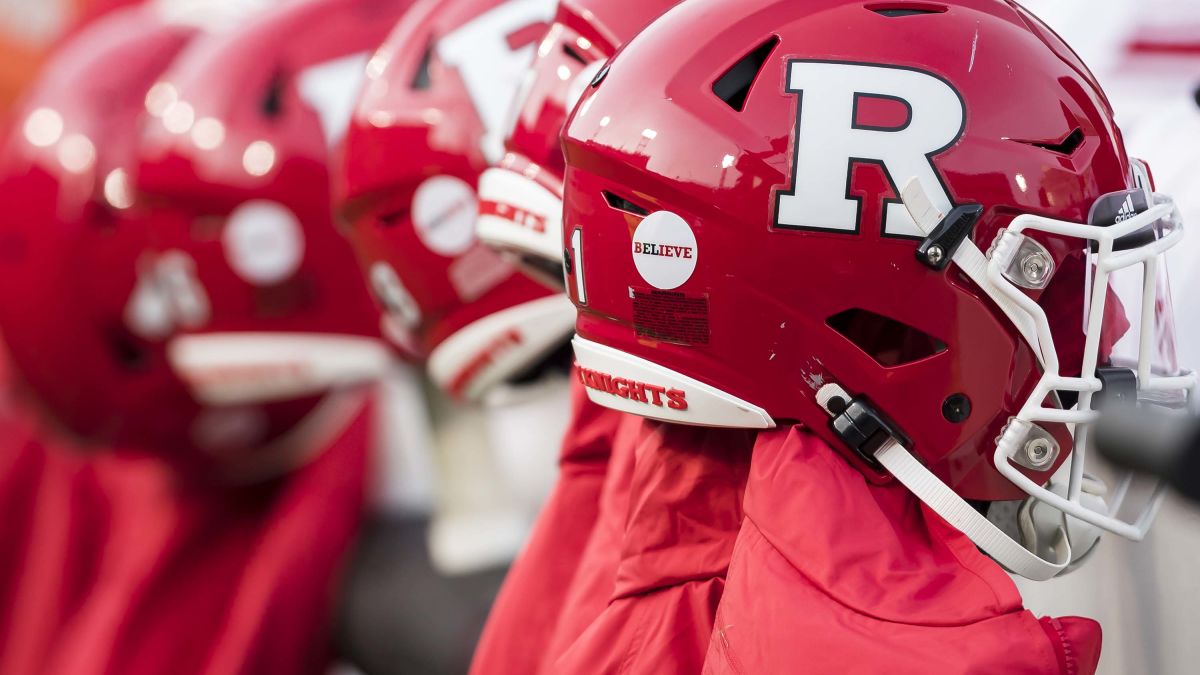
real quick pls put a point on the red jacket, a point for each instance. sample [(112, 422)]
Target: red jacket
[(523, 619), (684, 512), (57, 518), (125, 571), (834, 575)]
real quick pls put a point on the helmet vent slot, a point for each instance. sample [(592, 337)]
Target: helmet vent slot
[(895, 9), (888, 342), (272, 100), (1066, 147), (734, 86), (392, 218), (422, 78), (570, 52), (621, 204)]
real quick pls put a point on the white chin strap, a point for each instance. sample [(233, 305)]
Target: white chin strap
[(963, 517), (935, 494)]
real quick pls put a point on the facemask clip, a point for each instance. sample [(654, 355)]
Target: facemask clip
[(939, 247)]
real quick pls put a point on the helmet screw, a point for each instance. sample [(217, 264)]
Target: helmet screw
[(1040, 453), (935, 254), (837, 405), (956, 408), (1035, 267)]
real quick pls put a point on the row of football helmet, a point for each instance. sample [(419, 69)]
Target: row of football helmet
[(931, 249), (938, 257)]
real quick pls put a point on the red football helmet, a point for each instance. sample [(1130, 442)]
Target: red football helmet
[(763, 202), (431, 118), (68, 253), (264, 309), (520, 199)]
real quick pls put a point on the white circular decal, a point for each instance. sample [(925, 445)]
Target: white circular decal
[(264, 242), (664, 250), (443, 212)]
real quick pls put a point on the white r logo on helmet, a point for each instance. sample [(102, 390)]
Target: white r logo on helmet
[(830, 140), (490, 67)]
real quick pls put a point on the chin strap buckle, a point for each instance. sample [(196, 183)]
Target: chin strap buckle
[(874, 438), (859, 425)]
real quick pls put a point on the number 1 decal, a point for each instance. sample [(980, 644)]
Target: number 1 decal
[(577, 265)]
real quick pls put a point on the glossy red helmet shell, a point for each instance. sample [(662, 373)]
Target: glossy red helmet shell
[(430, 119), (751, 307), (520, 206), (235, 163), (70, 249)]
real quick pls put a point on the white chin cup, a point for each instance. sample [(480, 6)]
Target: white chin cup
[(1040, 524)]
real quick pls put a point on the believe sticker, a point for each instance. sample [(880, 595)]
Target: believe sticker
[(664, 250), (264, 242), (443, 213)]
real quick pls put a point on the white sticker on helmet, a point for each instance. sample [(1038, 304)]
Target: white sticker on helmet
[(664, 250), (443, 213), (264, 242)]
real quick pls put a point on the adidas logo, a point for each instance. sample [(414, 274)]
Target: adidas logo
[(1127, 210)]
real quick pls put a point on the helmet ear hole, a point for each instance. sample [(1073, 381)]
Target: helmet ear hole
[(888, 342), (127, 350)]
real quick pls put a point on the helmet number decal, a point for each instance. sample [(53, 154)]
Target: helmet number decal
[(846, 117), (401, 314), (491, 54), (575, 265)]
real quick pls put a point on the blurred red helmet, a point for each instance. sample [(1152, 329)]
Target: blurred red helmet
[(763, 202), (520, 199), (432, 116), (236, 163), (219, 310), (65, 240)]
